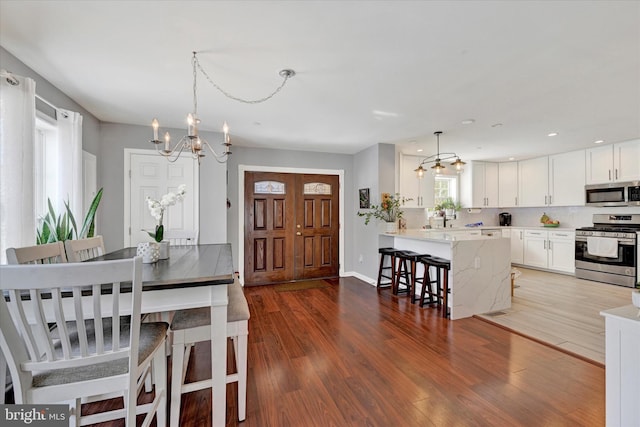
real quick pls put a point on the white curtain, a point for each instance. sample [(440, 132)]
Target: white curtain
[(17, 135), (70, 161)]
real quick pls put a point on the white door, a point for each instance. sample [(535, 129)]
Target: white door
[(152, 175)]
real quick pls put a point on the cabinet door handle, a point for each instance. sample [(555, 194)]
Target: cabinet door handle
[(544, 244), (616, 174), (545, 200), (521, 235), (550, 198), (609, 174), (516, 200)]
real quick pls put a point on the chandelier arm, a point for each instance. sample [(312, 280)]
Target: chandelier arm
[(216, 155), (170, 155), (285, 76)]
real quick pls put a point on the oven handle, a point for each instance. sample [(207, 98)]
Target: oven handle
[(625, 242)]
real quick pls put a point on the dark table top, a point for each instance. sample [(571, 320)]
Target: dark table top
[(195, 265)]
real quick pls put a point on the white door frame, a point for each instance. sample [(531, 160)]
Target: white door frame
[(127, 191), (254, 168)]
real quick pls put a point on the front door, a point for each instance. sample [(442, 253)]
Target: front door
[(291, 227)]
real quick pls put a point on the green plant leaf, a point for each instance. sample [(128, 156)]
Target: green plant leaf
[(88, 226), (159, 233)]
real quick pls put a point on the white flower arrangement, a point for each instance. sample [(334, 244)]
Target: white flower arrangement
[(157, 208)]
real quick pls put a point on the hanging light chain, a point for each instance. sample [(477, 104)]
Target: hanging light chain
[(286, 75)]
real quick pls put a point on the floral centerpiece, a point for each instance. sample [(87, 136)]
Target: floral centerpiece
[(389, 210), (157, 208)]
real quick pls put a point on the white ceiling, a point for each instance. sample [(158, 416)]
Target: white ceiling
[(367, 71)]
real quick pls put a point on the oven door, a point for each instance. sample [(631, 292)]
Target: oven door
[(623, 264)]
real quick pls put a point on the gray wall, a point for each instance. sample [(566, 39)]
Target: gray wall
[(291, 159), (114, 138), (374, 168), (90, 124)]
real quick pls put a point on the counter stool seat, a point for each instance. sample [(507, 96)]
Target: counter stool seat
[(441, 295), (406, 274), (382, 271)]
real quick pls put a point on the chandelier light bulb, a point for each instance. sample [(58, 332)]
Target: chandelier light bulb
[(167, 140), (155, 125)]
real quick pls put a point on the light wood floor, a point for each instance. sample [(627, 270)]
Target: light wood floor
[(562, 311)]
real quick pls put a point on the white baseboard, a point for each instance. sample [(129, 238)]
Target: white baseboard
[(362, 277)]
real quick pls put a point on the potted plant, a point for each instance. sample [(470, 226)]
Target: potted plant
[(389, 210), (448, 206), (157, 208), (58, 228)]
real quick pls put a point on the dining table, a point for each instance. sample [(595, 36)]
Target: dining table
[(193, 276)]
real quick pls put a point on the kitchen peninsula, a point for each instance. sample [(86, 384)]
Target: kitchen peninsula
[(479, 279)]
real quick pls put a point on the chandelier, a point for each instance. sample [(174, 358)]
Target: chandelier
[(192, 142), (436, 159)]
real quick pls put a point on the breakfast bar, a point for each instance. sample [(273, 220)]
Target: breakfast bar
[(479, 279)]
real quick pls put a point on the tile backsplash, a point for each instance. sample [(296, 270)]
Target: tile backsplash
[(570, 216)]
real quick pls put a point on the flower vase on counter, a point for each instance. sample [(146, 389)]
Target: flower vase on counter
[(164, 249), (391, 227)]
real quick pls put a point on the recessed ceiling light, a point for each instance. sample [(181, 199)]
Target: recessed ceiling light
[(419, 150), (512, 158), (496, 125), (553, 134), (468, 121), (600, 141)]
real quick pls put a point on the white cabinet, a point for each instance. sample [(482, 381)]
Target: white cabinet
[(517, 245), (567, 179), (479, 185), (535, 248), (562, 250), (556, 180), (508, 184), (533, 182), (622, 337), (553, 250), (421, 190), (613, 163)]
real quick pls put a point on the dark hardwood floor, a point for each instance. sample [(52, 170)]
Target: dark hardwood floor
[(347, 355)]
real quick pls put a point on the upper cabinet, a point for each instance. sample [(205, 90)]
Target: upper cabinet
[(420, 190), (533, 182), (556, 180), (508, 184), (613, 163), (479, 185), (567, 179)]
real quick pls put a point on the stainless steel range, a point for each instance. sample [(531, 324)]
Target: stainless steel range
[(608, 251)]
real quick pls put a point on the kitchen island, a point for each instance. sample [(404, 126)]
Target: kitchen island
[(480, 275)]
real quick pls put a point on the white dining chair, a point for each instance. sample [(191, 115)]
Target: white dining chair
[(105, 352), (181, 237), (84, 249), (194, 325), (50, 253)]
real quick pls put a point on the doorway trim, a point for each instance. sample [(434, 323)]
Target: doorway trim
[(255, 168)]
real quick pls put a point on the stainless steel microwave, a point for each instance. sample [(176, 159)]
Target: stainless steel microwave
[(613, 194)]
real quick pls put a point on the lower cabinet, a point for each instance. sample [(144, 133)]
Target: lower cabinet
[(517, 246), (553, 250)]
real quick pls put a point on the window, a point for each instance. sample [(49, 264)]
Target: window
[(45, 165), (445, 186)]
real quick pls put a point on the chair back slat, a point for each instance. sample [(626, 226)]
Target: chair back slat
[(80, 322), (50, 253), (181, 237), (84, 249), (48, 286)]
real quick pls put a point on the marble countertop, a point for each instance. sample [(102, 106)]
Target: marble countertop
[(440, 235), (498, 227), (628, 312)]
